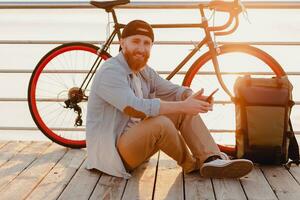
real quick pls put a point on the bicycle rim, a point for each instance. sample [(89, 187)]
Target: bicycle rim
[(63, 68), (234, 60)]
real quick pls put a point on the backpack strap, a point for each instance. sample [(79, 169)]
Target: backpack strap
[(293, 151)]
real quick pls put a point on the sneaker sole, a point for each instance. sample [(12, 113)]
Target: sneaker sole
[(235, 169)]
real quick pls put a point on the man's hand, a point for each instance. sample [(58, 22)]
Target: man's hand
[(193, 104), (196, 103)]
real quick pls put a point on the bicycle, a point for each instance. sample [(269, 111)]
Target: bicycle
[(56, 99)]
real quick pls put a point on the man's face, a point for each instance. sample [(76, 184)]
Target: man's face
[(136, 50)]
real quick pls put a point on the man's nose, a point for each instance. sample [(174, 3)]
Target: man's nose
[(141, 48)]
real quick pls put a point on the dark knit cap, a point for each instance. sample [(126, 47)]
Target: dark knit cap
[(138, 27)]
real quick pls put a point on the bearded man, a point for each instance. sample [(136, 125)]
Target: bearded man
[(133, 112)]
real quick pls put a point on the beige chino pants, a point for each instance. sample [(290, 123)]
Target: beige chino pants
[(144, 139)]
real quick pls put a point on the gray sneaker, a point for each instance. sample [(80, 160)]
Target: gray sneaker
[(224, 156), (220, 168)]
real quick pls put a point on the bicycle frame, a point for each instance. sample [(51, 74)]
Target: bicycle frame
[(38, 89), (206, 40)]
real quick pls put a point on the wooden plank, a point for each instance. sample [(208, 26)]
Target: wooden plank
[(141, 184), (23, 184), (169, 180), (256, 186), (10, 149), (82, 184), (228, 189), (21, 161), (295, 171), (282, 182), (58, 178), (197, 187), (3, 143), (109, 187)]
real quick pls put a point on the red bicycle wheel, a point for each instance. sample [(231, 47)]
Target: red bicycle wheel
[(234, 60), (58, 73)]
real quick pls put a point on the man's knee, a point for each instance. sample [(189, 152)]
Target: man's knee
[(164, 122), (166, 126)]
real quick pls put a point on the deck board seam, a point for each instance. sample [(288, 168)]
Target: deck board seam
[(123, 192), (294, 176), (3, 145), (18, 151), (243, 189), (183, 185), (274, 191), (25, 169), (37, 184), (155, 178), (95, 184), (213, 187), (71, 178)]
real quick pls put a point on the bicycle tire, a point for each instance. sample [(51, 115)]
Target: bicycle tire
[(254, 52), (62, 68)]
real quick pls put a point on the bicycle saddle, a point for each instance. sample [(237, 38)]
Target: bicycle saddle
[(108, 5)]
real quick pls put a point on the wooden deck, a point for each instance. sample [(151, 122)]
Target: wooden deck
[(43, 170)]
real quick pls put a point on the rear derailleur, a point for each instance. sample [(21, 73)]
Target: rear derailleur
[(76, 95)]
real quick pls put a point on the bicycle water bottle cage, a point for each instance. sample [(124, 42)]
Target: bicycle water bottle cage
[(108, 5)]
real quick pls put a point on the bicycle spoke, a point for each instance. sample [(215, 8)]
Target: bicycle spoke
[(63, 68), (52, 82), (50, 90), (70, 63)]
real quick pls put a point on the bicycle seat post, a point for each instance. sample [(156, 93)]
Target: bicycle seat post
[(116, 23), (109, 8)]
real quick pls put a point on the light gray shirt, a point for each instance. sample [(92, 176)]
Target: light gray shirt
[(111, 95), (136, 79)]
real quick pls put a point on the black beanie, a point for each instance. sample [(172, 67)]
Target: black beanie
[(138, 27)]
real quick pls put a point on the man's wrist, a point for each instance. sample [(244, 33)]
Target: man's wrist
[(171, 107), (188, 92), (181, 106)]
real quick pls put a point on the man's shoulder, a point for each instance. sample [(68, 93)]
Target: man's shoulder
[(111, 65), (111, 62)]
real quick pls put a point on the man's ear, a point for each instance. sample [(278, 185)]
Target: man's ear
[(122, 41)]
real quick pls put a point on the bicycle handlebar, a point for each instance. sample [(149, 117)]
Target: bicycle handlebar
[(231, 30), (234, 8), (224, 6)]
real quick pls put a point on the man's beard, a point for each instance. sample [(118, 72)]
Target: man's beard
[(135, 63)]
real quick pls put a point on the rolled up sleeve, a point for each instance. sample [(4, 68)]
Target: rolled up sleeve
[(113, 87), (182, 96)]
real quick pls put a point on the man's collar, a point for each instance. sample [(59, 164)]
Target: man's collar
[(120, 57)]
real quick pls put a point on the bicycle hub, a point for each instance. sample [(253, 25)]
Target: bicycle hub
[(75, 95)]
